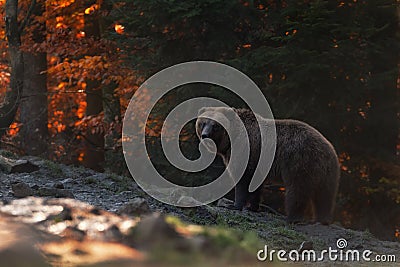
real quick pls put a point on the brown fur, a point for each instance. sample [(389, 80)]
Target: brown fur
[(304, 159)]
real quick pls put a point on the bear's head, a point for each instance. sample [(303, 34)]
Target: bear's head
[(208, 126)]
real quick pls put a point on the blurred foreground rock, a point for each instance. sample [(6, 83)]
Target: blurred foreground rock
[(17, 244), (65, 231), (137, 206), (42, 231)]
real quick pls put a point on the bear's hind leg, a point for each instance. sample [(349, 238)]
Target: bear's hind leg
[(296, 203), (323, 203)]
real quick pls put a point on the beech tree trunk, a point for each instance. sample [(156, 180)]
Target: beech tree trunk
[(100, 147), (94, 141), (33, 107), (9, 107), (28, 88), (112, 119), (114, 157)]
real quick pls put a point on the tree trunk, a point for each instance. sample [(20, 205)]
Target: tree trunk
[(8, 109), (33, 107), (94, 141), (112, 119), (102, 147)]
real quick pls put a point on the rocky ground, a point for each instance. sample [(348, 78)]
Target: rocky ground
[(58, 215)]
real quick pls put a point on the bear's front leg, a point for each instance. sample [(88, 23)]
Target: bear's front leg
[(254, 200), (241, 195)]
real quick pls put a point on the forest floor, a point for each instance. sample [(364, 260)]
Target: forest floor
[(67, 216)]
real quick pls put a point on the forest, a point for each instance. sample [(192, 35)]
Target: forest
[(68, 70)]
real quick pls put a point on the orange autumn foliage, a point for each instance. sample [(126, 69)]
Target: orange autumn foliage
[(119, 28)]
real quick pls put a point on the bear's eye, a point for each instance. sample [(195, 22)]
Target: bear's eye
[(218, 126)]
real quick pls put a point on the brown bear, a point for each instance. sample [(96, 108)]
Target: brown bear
[(304, 160)]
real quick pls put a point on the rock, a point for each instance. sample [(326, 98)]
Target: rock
[(55, 192), (35, 187), (68, 181), (58, 185), (153, 231), (198, 243), (95, 211), (135, 207), (16, 166), (113, 234), (35, 160), (21, 189), (18, 244), (74, 233), (224, 202), (64, 215), (188, 201), (30, 209)]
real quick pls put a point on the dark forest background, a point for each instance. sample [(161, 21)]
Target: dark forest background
[(69, 68)]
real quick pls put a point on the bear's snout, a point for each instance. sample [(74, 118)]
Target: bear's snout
[(206, 132)]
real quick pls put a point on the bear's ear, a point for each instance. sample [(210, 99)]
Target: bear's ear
[(201, 111), (230, 113)]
